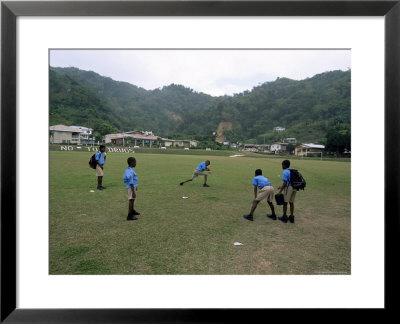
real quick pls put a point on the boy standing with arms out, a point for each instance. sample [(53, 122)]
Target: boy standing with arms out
[(289, 193), (131, 181), (100, 160), (266, 193), (200, 172)]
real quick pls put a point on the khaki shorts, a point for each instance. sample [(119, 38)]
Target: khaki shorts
[(197, 173), (99, 171), (129, 193), (266, 193), (289, 194)]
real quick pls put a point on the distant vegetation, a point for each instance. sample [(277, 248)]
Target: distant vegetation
[(314, 110)]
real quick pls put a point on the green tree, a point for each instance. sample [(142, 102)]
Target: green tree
[(338, 140), (104, 128)]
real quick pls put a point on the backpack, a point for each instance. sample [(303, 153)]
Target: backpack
[(297, 180), (92, 161)]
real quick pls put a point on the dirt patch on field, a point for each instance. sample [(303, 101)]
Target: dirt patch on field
[(223, 126)]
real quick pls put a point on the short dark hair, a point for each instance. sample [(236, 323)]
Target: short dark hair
[(130, 160), (286, 163), (102, 146), (258, 172)]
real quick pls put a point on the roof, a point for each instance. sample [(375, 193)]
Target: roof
[(174, 140), (82, 127), (136, 136), (311, 145), (63, 128)]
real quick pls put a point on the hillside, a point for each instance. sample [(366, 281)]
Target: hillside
[(307, 109), (160, 110)]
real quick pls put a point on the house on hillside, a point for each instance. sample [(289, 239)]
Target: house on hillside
[(291, 140), (61, 134), (279, 129), (278, 147), (309, 148), (135, 139), (179, 143)]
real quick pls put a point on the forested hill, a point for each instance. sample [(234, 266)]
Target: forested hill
[(307, 109), (128, 107)]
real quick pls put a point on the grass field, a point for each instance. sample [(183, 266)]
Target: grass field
[(89, 233)]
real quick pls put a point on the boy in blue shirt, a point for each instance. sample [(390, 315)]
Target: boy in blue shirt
[(289, 194), (100, 158), (131, 181), (199, 171), (266, 193)]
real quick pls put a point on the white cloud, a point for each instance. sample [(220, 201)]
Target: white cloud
[(216, 72)]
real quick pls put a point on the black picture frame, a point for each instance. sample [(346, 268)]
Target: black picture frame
[(10, 10)]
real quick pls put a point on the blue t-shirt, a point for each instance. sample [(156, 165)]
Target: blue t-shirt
[(260, 181), (286, 177), (130, 177), (202, 166), (100, 157)]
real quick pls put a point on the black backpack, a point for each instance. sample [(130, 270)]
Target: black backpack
[(92, 161), (297, 180)]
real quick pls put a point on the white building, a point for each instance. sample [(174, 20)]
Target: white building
[(85, 132), (61, 134), (278, 147), (309, 148), (279, 129)]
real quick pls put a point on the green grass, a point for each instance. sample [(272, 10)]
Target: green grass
[(89, 233)]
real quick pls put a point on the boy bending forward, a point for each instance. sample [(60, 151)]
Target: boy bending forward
[(266, 193)]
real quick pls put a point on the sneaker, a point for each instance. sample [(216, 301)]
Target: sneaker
[(284, 218), (205, 185), (131, 217), (181, 183), (248, 217), (272, 216), (100, 188), (135, 212), (291, 219)]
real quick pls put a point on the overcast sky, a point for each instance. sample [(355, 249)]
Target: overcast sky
[(215, 72)]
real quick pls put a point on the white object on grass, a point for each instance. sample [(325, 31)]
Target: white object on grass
[(184, 197), (237, 243), (91, 191)]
